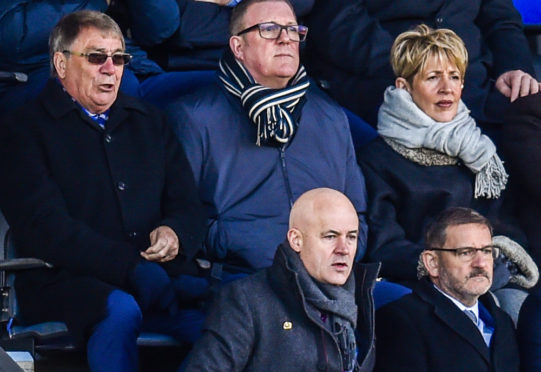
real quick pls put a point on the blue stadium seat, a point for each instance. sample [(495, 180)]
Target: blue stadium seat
[(530, 11), (531, 16), (361, 131)]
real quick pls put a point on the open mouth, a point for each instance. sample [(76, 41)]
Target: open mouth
[(107, 87), (340, 265)]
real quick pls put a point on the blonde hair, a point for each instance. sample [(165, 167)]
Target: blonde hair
[(412, 49)]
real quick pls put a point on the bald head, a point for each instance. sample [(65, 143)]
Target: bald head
[(313, 204), (323, 229)]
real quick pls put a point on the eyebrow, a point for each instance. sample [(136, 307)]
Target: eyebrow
[(338, 233), (439, 72), (290, 23), (104, 50)]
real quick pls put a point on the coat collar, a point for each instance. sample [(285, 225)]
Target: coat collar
[(283, 279), (450, 314), (59, 104), (365, 274)]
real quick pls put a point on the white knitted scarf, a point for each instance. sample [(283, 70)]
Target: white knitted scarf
[(401, 121)]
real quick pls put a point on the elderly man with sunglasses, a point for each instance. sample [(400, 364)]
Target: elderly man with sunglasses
[(449, 322), (96, 183), (261, 136)]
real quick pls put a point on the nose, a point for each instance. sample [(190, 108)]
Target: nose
[(283, 36), (108, 67), (481, 260), (342, 246), (445, 85)]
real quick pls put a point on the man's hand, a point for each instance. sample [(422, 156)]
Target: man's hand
[(217, 2), (164, 245), (517, 83)]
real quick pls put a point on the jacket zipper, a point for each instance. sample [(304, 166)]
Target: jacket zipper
[(286, 176)]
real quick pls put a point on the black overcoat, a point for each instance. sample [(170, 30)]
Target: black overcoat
[(85, 199), (520, 145), (425, 331), (403, 197)]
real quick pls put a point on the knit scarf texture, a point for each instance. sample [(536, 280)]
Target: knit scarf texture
[(411, 132), (338, 302), (275, 112)]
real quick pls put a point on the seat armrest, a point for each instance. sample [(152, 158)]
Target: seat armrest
[(15, 264), (19, 77)]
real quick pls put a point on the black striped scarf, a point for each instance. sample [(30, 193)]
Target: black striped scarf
[(274, 111)]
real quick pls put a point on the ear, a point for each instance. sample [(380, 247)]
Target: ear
[(59, 61), (431, 262), (236, 44), (294, 237), (402, 83)]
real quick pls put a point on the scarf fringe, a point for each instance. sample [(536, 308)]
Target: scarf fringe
[(491, 180)]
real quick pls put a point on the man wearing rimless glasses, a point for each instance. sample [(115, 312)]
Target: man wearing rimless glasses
[(262, 136), (98, 186), (449, 322)]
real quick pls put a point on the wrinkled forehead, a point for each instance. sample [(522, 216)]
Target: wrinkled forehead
[(92, 38)]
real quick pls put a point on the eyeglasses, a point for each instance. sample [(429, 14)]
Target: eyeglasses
[(272, 31), (466, 254), (98, 58)]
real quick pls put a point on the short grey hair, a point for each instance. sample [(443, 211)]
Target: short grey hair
[(237, 15), (421, 268), (70, 26)]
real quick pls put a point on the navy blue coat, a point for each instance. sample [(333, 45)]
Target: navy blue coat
[(85, 199), (244, 330), (25, 26), (426, 332), (350, 40), (529, 332), (522, 133), (248, 190), (403, 197), (186, 34)]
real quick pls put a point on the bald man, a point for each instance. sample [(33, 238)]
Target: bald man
[(301, 313)]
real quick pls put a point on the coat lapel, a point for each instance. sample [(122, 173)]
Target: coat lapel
[(121, 109), (61, 104), (453, 317)]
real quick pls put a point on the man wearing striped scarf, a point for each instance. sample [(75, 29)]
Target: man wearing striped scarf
[(262, 136)]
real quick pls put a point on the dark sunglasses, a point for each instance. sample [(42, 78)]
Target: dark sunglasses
[(99, 58)]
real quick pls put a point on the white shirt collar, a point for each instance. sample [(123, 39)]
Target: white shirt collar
[(460, 305)]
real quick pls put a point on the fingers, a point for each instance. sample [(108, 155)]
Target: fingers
[(534, 86), (517, 83), (503, 86), (164, 245), (528, 85), (516, 86), (162, 251)]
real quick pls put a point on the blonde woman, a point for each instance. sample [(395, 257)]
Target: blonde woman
[(430, 155)]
